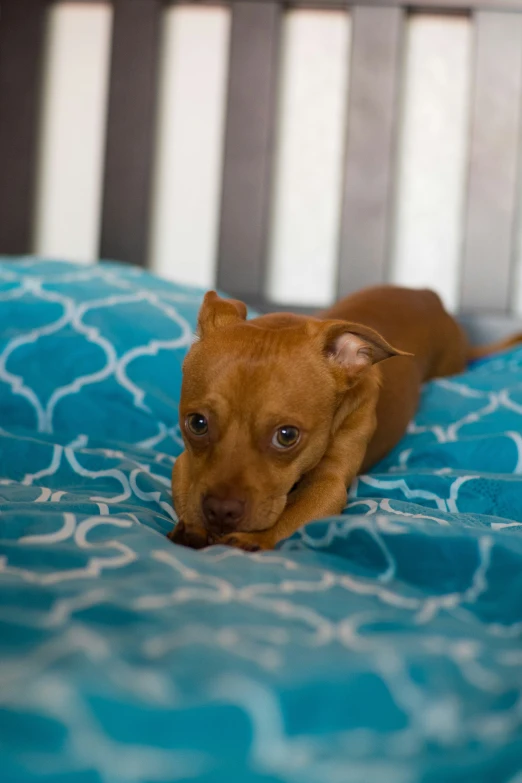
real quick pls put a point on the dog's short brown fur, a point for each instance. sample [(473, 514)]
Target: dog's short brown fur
[(348, 381)]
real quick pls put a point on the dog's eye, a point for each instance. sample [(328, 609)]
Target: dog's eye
[(285, 437), (197, 424)]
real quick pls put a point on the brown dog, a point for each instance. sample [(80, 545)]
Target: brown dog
[(280, 413)]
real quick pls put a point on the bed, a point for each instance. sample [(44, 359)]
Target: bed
[(379, 646), (382, 645)]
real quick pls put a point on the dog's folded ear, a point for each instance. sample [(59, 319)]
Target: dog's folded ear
[(216, 312), (354, 347)]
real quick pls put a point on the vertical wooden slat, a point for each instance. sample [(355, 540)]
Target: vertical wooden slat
[(305, 215), (72, 126), (490, 220), (248, 147), (375, 64), (188, 156), (22, 25), (432, 155), (130, 130)]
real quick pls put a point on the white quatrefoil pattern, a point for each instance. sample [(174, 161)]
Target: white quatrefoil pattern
[(381, 646)]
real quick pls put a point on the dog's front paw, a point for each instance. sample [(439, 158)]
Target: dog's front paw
[(193, 538), (249, 542)]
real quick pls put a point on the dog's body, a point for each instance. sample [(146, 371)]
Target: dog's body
[(280, 413)]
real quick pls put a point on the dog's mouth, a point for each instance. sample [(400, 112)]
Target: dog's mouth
[(193, 539), (199, 537), (296, 486)]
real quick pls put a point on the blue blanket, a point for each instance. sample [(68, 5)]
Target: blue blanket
[(382, 646)]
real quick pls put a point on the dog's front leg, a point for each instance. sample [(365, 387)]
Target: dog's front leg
[(325, 497)]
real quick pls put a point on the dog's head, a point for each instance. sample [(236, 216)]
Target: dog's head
[(260, 403)]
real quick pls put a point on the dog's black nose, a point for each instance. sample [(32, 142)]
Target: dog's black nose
[(222, 515)]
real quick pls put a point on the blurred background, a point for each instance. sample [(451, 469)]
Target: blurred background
[(427, 168)]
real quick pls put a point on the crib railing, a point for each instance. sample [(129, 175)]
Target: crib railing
[(247, 215)]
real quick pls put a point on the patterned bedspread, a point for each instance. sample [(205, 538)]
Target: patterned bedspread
[(382, 646)]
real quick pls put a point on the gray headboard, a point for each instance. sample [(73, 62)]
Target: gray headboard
[(370, 149)]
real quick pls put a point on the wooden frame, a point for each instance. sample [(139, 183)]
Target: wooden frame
[(21, 44), (130, 130), (491, 212), (248, 147)]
